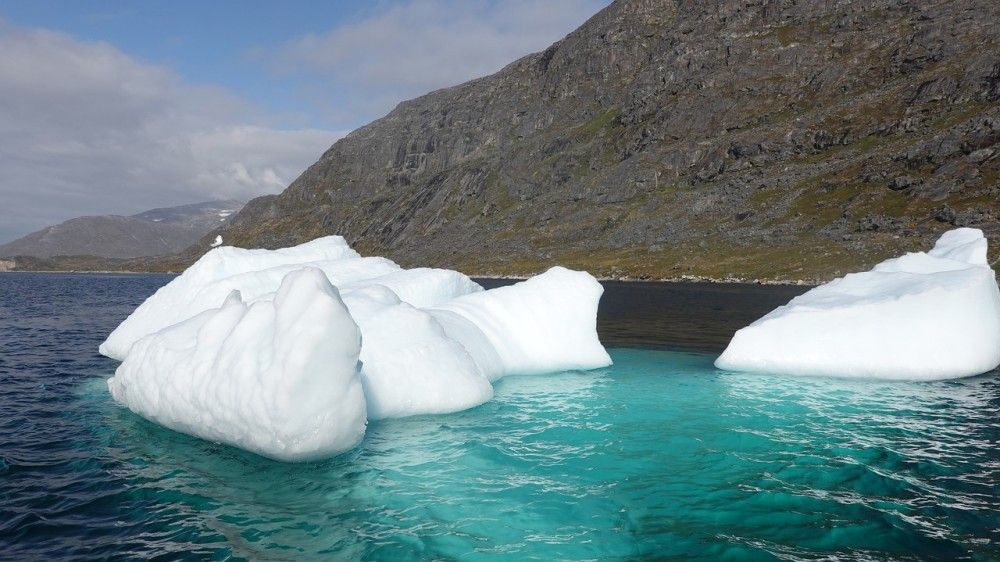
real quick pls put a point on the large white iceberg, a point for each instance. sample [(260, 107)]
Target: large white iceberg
[(269, 373), (278, 377), (922, 316), (257, 273)]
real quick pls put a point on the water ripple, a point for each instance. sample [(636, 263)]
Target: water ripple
[(660, 457)]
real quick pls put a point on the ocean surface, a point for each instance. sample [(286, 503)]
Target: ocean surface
[(659, 457)]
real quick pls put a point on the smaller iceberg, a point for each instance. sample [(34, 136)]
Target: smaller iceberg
[(921, 316), (545, 324), (442, 359), (278, 377)]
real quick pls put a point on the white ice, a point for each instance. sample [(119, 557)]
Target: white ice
[(410, 367), (432, 341), (443, 359), (921, 316), (278, 377), (256, 273), (544, 324)]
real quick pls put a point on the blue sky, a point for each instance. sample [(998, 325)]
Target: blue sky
[(119, 107), (217, 42), (249, 47)]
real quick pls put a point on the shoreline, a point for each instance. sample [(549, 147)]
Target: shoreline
[(86, 271), (626, 279), (681, 279)]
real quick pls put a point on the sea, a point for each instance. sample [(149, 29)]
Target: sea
[(659, 457)]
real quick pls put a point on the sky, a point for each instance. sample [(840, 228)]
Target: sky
[(116, 107)]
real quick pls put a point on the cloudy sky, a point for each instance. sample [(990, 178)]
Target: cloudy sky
[(119, 107)]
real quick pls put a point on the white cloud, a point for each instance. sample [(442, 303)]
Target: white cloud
[(86, 129), (255, 158), (366, 67)]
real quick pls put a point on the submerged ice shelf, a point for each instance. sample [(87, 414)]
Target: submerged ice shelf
[(921, 316), (312, 341)]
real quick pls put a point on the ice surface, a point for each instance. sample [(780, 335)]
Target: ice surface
[(420, 287), (278, 377), (409, 366), (921, 316), (256, 273), (962, 244), (442, 359), (249, 373), (545, 324)]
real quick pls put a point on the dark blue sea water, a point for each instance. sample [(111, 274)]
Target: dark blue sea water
[(659, 457)]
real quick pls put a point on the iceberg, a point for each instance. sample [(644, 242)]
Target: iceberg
[(410, 366), (545, 324), (278, 377), (421, 287), (922, 316), (257, 273), (443, 359), (312, 342)]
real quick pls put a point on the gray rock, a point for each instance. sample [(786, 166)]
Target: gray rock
[(660, 122), (899, 183), (946, 214), (870, 223)]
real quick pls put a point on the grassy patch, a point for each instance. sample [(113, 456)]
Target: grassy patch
[(670, 189), (786, 34), (812, 258), (598, 123), (952, 118), (860, 147), (823, 205)]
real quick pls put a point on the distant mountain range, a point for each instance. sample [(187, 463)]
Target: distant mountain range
[(151, 233)]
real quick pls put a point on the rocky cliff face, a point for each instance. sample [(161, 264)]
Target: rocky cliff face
[(752, 139)]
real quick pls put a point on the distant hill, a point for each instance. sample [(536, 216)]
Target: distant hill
[(150, 233)]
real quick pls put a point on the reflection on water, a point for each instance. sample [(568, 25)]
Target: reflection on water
[(660, 456), (696, 316)]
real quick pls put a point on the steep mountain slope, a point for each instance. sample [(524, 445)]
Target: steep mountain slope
[(151, 233), (753, 139)]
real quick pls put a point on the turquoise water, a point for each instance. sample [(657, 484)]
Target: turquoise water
[(661, 456)]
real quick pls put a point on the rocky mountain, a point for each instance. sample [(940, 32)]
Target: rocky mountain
[(752, 139), (151, 233), (198, 216)]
